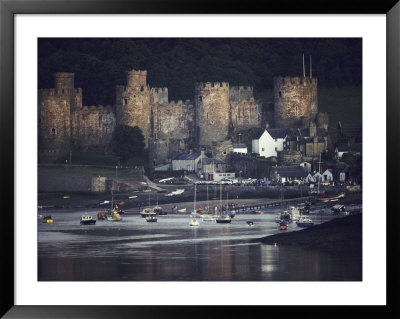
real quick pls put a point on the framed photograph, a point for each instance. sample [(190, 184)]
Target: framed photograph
[(251, 128)]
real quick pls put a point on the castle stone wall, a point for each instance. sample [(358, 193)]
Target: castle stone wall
[(93, 127), (133, 103), (294, 98), (212, 112)]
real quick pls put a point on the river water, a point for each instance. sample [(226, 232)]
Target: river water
[(171, 250)]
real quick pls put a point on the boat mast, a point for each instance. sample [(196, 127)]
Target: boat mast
[(319, 171), (194, 203), (220, 197)]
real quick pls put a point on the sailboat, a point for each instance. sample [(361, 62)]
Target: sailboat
[(114, 215), (208, 217), (230, 213), (222, 219), (148, 213), (158, 210), (194, 221)]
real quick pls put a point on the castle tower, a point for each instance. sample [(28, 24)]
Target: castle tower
[(133, 103), (55, 114), (212, 112), (295, 100)]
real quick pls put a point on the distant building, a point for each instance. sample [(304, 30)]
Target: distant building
[(211, 166), (288, 173), (186, 161), (348, 148), (269, 141), (309, 141), (240, 148)]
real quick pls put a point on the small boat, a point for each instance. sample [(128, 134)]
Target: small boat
[(194, 222), (284, 216), (115, 217), (294, 213), (183, 210), (132, 197), (87, 220), (230, 213), (147, 212), (327, 197), (209, 218), (223, 219), (258, 212), (283, 225), (151, 218), (305, 221), (338, 208), (250, 223), (47, 219), (101, 215), (159, 211)]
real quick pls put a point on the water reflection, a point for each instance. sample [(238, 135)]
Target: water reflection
[(174, 251)]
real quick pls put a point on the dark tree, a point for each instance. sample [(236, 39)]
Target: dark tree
[(127, 142)]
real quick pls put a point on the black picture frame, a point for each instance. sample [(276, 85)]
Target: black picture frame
[(8, 10)]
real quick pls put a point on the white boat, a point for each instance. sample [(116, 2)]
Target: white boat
[(147, 211), (177, 192), (305, 221), (183, 210), (294, 213), (151, 219), (209, 218), (87, 220), (194, 221)]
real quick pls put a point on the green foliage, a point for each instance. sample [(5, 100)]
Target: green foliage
[(127, 142)]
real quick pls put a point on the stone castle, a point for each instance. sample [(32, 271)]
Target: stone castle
[(216, 116)]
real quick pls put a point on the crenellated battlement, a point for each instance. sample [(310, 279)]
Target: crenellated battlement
[(211, 85), (136, 78), (294, 81), (59, 93)]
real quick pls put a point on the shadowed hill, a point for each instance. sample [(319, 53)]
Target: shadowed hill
[(340, 235)]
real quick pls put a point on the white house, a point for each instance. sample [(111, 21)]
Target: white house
[(327, 176), (268, 142), (240, 148), (309, 179)]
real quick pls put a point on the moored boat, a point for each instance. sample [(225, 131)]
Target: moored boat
[(305, 221), (283, 225), (159, 211), (87, 220), (223, 219), (194, 222), (151, 218), (47, 219), (114, 217), (209, 219), (101, 215)]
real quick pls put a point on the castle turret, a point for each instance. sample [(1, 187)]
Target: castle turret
[(133, 103), (295, 100), (212, 112)]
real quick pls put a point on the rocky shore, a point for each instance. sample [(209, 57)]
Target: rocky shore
[(340, 236)]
